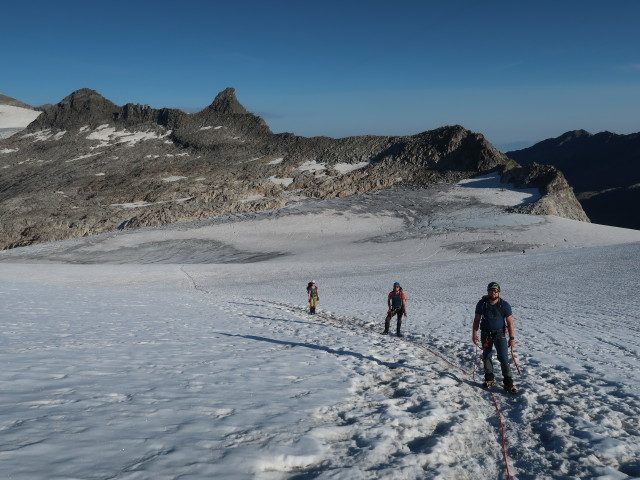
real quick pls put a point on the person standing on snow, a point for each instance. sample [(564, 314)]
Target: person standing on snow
[(494, 317), (397, 303), (312, 294)]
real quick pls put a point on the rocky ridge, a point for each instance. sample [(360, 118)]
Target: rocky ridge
[(87, 166), (604, 170)]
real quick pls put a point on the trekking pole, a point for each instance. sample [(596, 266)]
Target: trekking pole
[(515, 362)]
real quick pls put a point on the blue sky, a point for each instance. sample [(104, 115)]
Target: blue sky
[(513, 71)]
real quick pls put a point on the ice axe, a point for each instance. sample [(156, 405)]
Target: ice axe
[(515, 362)]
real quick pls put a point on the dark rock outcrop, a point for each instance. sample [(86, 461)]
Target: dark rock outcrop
[(603, 169), (227, 103), (86, 166), (557, 196), (82, 107)]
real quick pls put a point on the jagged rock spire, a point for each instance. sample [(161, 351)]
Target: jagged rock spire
[(226, 102)]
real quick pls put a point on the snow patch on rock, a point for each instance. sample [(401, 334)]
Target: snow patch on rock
[(312, 166), (281, 181), (108, 135), (173, 178), (349, 167)]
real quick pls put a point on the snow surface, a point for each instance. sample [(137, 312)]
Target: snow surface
[(312, 166), (187, 352), (281, 181), (16, 117), (82, 157), (40, 135), (108, 135), (173, 178), (349, 167)]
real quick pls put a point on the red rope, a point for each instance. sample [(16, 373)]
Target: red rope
[(495, 402), (504, 436), (472, 374)]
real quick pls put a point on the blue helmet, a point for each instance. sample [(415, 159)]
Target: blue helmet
[(397, 284)]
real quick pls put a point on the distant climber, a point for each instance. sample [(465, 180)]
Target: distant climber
[(397, 305), (494, 317), (313, 296)]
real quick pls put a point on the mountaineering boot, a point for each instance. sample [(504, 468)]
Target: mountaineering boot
[(386, 332), (508, 386), (489, 380), (398, 334)]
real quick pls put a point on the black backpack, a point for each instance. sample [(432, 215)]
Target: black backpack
[(500, 308)]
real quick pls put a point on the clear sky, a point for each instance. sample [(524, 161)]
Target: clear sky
[(513, 71)]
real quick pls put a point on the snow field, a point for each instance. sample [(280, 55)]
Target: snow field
[(216, 370), (151, 389), (16, 117), (138, 381)]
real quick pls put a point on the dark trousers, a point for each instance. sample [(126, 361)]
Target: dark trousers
[(387, 321), (497, 338)]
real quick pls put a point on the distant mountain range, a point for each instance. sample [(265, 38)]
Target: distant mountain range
[(86, 165), (603, 169)]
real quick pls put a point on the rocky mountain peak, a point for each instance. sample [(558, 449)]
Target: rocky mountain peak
[(227, 103), (85, 99), (82, 107), (572, 136)]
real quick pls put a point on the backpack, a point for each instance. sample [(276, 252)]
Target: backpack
[(500, 308), (310, 290), (392, 293)]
